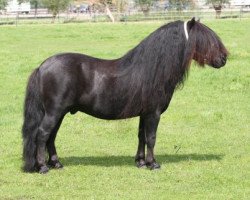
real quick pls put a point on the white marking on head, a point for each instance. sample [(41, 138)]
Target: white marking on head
[(185, 30)]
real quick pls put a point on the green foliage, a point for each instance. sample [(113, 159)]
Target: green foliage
[(178, 4), (217, 2), (145, 5), (3, 4), (143, 2), (202, 140), (120, 5), (35, 2), (55, 6), (22, 1)]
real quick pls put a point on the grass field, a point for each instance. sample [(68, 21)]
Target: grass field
[(203, 142)]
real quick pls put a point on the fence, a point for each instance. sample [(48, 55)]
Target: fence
[(129, 16)]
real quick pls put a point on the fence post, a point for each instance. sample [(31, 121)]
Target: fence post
[(17, 17)]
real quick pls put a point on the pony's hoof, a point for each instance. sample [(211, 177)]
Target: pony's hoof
[(153, 166), (44, 169), (141, 163), (56, 165)]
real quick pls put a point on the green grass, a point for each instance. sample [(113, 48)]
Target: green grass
[(203, 138)]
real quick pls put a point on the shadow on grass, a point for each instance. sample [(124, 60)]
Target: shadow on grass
[(109, 161)]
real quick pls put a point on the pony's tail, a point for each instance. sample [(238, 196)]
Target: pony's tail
[(33, 115)]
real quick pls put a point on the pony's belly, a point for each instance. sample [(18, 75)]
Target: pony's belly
[(98, 113), (106, 108)]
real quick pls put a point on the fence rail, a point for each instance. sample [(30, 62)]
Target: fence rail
[(15, 19)]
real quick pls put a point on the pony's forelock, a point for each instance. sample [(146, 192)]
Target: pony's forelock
[(206, 44)]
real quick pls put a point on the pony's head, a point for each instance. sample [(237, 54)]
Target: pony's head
[(206, 47)]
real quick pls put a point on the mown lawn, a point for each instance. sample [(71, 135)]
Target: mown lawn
[(203, 142)]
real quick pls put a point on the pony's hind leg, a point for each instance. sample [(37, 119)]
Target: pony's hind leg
[(140, 155), (53, 158), (46, 128)]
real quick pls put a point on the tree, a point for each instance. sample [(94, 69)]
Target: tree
[(3, 4), (120, 5), (217, 5), (106, 4), (55, 6), (181, 4), (35, 3), (145, 5)]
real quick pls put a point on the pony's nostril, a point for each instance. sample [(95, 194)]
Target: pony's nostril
[(224, 59)]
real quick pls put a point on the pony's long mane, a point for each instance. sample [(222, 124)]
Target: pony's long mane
[(159, 56), (156, 63), (161, 61), (141, 83)]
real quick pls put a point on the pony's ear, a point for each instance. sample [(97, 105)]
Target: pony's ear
[(191, 23)]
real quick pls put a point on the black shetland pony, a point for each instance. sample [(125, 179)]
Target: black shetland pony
[(141, 83)]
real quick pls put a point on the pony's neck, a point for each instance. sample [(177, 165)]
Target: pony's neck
[(159, 58)]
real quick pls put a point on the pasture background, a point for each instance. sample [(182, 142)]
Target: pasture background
[(202, 140)]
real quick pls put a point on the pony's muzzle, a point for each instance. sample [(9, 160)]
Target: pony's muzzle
[(220, 62)]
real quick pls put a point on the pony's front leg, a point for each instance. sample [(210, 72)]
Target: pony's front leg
[(140, 155), (150, 125)]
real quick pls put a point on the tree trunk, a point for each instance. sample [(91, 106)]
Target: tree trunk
[(111, 17), (145, 9), (36, 6), (53, 18), (217, 9)]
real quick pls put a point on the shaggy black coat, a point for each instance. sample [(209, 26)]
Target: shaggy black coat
[(141, 83)]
